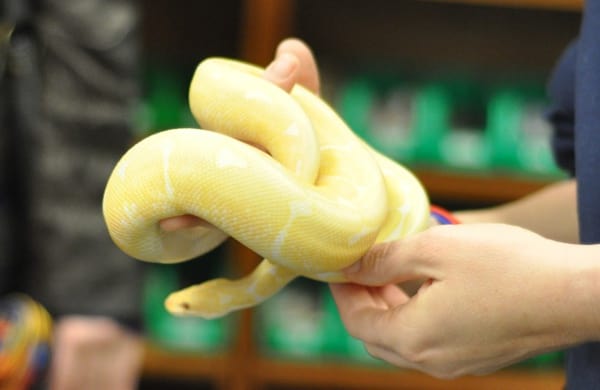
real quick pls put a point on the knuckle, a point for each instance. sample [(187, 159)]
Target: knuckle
[(430, 243), (373, 352), (437, 364), (374, 259), (444, 373), (412, 352), (447, 368), (353, 329)]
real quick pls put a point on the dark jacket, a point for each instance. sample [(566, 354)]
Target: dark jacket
[(575, 113), (68, 91)]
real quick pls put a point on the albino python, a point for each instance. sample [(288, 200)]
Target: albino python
[(311, 205)]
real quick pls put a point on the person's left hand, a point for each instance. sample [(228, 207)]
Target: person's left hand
[(494, 294), (94, 353)]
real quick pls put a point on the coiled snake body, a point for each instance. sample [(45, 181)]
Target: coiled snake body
[(311, 206)]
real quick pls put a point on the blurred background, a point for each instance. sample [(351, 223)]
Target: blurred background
[(455, 90)]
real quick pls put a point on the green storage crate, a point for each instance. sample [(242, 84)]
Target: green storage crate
[(302, 322), (164, 102), (289, 322), (338, 342), (518, 135), (463, 145), (418, 123), (192, 334), (380, 110)]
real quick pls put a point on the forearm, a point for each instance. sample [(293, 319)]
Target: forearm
[(550, 212)]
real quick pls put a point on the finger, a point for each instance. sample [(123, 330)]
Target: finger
[(308, 71), (182, 222), (61, 370), (393, 295), (387, 297), (389, 356), (283, 71), (392, 263), (364, 318)]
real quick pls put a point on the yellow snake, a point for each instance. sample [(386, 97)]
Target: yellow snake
[(311, 205)]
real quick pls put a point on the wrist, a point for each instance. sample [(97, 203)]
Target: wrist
[(557, 306), (585, 287)]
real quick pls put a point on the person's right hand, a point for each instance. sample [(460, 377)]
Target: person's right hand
[(495, 294), (294, 63)]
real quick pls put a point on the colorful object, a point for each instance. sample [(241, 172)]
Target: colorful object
[(312, 206), (25, 332), (443, 216)]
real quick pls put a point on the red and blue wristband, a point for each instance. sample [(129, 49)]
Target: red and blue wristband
[(443, 216)]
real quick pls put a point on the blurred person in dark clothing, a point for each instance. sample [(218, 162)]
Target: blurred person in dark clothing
[(68, 87)]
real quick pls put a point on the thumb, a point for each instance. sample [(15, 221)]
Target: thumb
[(283, 71), (294, 63), (391, 262), (308, 71)]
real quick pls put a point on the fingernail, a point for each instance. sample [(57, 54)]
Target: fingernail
[(283, 66)]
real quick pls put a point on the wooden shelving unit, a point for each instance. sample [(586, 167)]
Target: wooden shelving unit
[(568, 5), (477, 187), (354, 376), (243, 367), (259, 372)]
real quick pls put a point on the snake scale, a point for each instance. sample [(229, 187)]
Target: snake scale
[(311, 201)]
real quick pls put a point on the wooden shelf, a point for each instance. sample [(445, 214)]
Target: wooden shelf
[(265, 23), (563, 5), (260, 372), (477, 187), (355, 376), (159, 362)]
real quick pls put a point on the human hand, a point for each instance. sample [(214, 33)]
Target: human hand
[(293, 64), (495, 294), (94, 353)]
